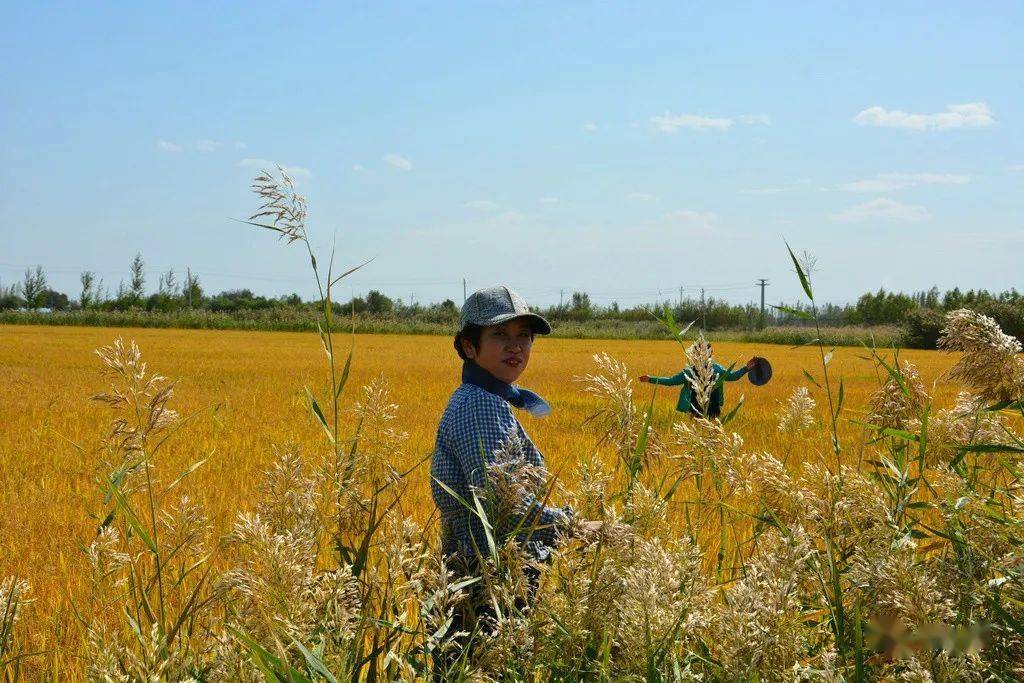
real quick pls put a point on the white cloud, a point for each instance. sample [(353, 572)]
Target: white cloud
[(671, 123), (882, 209), (241, 145), (969, 115), (694, 222), (640, 197), (480, 204), (398, 161), (1017, 167), (264, 164), (590, 127), (762, 119), (168, 146), (357, 167), (550, 200), (208, 146), (890, 182)]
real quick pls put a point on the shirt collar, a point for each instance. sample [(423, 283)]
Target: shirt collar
[(517, 396)]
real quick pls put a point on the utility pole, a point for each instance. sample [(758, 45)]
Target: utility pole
[(463, 290), (680, 297), (188, 284), (762, 283), (561, 298)]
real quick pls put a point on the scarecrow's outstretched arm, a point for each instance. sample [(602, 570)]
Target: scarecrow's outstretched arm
[(674, 380), (733, 375)]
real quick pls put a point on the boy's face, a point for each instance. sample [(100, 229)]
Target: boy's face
[(504, 349)]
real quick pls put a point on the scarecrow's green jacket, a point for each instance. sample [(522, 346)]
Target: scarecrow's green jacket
[(686, 403)]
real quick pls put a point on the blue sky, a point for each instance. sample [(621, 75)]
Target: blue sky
[(625, 149)]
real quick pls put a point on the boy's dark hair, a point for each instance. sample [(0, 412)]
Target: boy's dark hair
[(470, 333)]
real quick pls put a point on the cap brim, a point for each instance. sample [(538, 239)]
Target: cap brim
[(537, 323)]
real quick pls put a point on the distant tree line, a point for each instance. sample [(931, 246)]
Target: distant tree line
[(174, 293), (921, 313)]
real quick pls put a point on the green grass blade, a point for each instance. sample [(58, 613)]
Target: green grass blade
[(810, 378), (803, 315), (841, 398), (732, 413), (896, 375), (132, 519), (319, 414), (274, 669), (344, 373), (488, 529), (315, 663), (350, 271), (260, 225), (189, 470), (804, 282)]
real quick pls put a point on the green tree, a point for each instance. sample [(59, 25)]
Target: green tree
[(192, 292), (89, 294), (168, 283), (581, 308), (56, 301), (9, 297), (377, 302), (137, 286), (953, 299), (33, 288), (356, 304)]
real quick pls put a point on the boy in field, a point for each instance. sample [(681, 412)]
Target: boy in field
[(687, 396), (494, 341)]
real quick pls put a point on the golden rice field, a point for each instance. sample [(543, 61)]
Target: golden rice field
[(246, 391)]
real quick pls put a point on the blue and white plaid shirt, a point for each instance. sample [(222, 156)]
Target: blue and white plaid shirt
[(475, 425)]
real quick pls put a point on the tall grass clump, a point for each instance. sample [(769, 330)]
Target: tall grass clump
[(149, 561), (15, 596), (716, 561)]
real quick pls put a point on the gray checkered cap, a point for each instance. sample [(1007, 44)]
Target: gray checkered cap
[(495, 305)]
